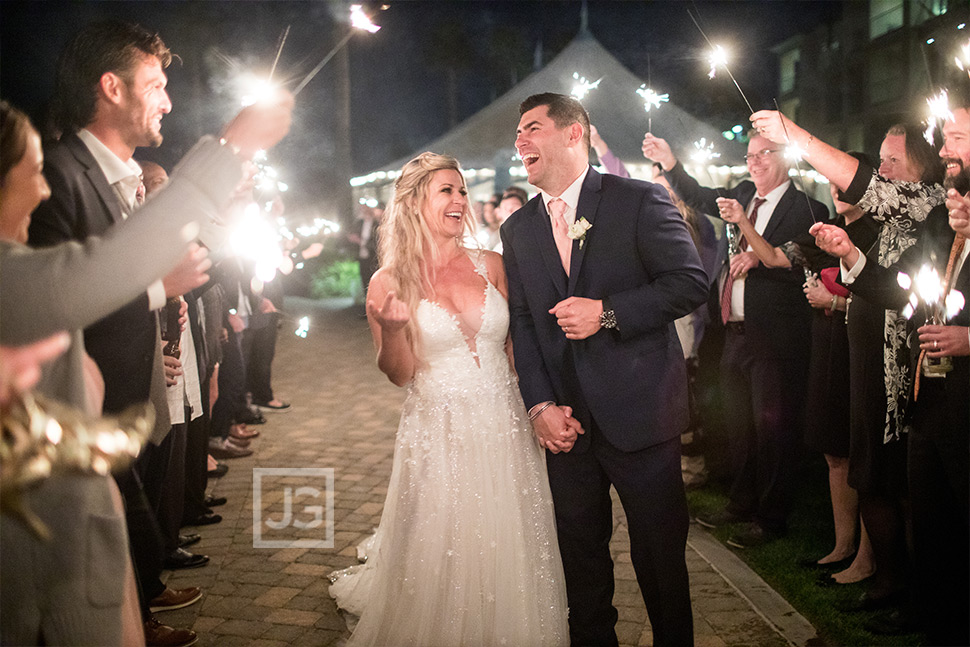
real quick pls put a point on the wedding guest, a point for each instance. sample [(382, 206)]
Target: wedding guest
[(47, 586), (905, 210), (828, 426), (768, 327)]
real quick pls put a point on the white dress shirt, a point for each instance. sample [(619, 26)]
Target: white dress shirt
[(772, 198)]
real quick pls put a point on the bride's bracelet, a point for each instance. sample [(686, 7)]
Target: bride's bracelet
[(535, 415)]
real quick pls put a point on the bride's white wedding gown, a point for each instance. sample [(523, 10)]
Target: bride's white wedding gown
[(466, 552)]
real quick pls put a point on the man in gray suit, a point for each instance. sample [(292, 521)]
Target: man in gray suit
[(69, 590), (110, 99)]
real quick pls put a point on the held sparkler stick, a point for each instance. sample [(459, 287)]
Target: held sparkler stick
[(358, 20), (279, 51), (718, 57), (651, 100), (796, 154)]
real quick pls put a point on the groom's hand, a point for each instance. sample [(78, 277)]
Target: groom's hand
[(556, 429), (578, 317)]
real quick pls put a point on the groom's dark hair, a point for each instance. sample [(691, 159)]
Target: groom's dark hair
[(563, 110)]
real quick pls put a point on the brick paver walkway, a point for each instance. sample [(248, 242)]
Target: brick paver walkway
[(344, 416)]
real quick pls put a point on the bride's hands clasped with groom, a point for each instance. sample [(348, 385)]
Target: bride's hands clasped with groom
[(556, 428)]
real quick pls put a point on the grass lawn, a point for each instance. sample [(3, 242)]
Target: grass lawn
[(810, 534)]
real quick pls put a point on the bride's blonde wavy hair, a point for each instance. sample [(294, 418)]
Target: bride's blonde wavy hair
[(407, 251)]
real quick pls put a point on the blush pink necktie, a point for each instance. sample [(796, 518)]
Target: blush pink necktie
[(729, 281), (560, 231)]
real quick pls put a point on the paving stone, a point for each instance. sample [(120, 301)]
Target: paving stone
[(286, 633), (293, 617), (205, 624), (277, 596), (344, 416), (245, 628)]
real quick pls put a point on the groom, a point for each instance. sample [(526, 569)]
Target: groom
[(599, 267)]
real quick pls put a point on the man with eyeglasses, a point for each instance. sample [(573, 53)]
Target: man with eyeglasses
[(764, 364)]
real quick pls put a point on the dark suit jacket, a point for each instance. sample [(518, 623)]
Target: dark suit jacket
[(83, 204), (776, 313), (638, 253)]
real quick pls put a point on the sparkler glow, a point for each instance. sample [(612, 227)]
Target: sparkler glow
[(963, 58), (717, 58), (650, 98), (358, 20), (794, 153), (927, 288), (304, 327), (704, 151), (254, 238), (253, 89), (939, 110), (583, 86)]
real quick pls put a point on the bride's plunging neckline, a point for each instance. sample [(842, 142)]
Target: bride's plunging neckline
[(471, 341)]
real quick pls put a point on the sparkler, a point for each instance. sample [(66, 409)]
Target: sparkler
[(253, 90), (358, 20), (795, 154), (304, 327), (254, 238), (279, 51), (582, 86), (704, 151), (651, 100), (939, 110), (928, 290), (718, 58), (962, 59)]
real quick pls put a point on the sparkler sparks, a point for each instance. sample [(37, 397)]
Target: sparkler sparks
[(360, 20), (583, 86), (939, 110), (650, 98), (794, 153), (963, 58), (717, 58), (253, 89), (304, 327), (704, 151), (927, 288)]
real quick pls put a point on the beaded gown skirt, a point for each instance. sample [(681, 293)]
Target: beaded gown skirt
[(466, 551)]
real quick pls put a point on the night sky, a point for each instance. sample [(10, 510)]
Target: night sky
[(401, 78)]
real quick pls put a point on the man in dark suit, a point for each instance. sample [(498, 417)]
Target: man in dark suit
[(599, 267), (111, 99), (767, 340)]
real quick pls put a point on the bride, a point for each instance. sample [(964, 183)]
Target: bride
[(466, 551)]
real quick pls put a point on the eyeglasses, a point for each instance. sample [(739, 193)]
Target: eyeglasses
[(759, 155)]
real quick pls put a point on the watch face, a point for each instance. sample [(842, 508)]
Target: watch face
[(608, 319)]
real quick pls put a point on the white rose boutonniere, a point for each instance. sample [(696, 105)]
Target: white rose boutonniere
[(577, 231)]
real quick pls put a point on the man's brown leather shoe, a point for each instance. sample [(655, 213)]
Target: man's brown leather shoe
[(159, 635), (175, 599)]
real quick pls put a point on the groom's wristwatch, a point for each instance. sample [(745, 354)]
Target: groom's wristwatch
[(608, 318)]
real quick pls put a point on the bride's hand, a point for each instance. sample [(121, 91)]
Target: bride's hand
[(556, 429), (392, 315)]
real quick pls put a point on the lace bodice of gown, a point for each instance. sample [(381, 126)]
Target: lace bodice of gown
[(454, 362)]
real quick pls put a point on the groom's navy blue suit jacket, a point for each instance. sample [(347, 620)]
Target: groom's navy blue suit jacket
[(639, 254)]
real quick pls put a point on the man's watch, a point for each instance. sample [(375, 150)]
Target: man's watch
[(608, 318)]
